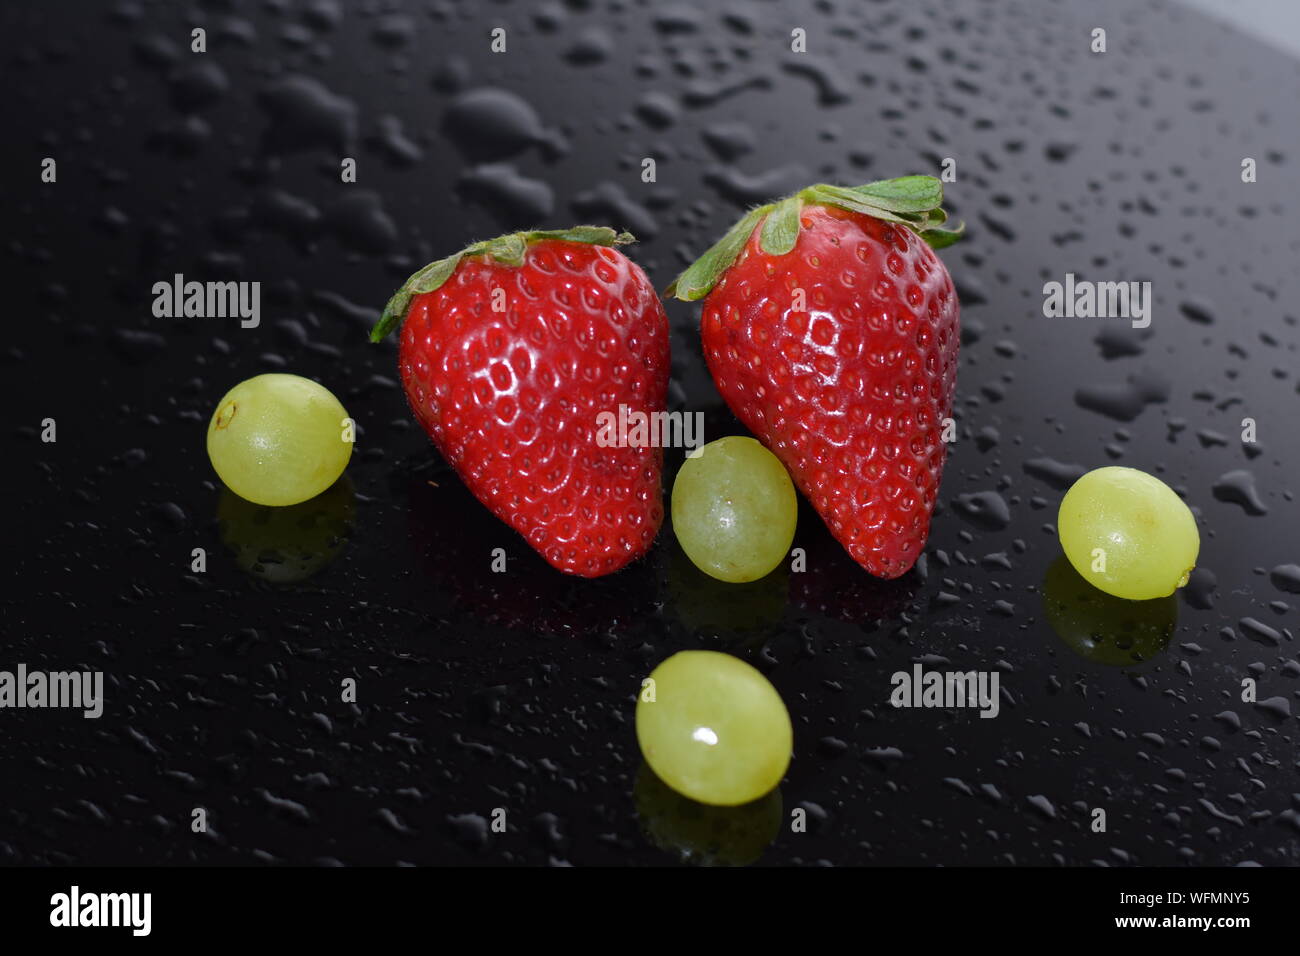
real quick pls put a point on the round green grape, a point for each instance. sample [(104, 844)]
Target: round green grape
[(734, 509), (1128, 534), (713, 728), (279, 439)]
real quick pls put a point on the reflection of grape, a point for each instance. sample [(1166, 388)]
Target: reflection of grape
[(705, 604), (1103, 628), (1127, 533), (704, 835), (716, 730), (734, 509), (279, 439), (287, 545)]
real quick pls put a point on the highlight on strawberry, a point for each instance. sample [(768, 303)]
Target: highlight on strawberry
[(831, 330), (510, 351)]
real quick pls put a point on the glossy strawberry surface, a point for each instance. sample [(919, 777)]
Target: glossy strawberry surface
[(508, 368), (841, 356)]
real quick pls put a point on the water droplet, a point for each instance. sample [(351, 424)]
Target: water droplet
[(987, 509), (1238, 488), (1286, 577), (518, 200), (304, 114)]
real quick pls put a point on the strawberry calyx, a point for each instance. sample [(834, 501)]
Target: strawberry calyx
[(507, 250), (914, 201)]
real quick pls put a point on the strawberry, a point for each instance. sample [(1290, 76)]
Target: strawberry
[(510, 351), (830, 328)]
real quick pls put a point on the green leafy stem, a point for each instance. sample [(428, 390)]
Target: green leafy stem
[(508, 250), (914, 201)]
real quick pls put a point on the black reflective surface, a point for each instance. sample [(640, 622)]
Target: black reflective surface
[(480, 691)]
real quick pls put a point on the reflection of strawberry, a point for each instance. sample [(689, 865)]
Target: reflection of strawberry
[(831, 585), (510, 352), (830, 328), (454, 538)]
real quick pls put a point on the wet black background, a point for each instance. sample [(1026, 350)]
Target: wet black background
[(481, 691)]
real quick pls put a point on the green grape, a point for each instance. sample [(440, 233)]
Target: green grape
[(1127, 533), (734, 509), (713, 728), (703, 835), (279, 439), (1102, 628)]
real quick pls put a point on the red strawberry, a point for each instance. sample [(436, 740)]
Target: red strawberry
[(510, 351), (830, 329)]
